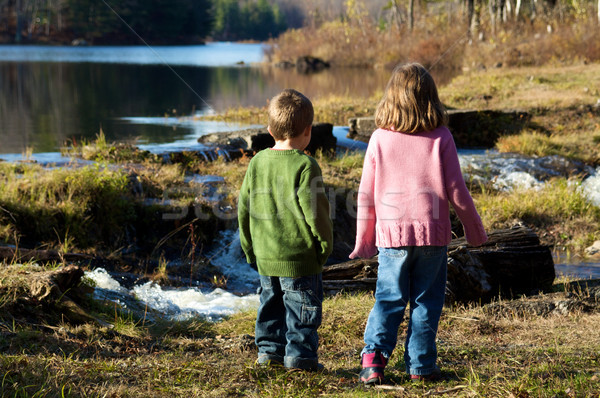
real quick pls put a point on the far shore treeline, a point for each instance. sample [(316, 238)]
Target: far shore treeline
[(446, 34), (156, 21)]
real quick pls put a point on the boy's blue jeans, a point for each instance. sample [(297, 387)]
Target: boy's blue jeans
[(415, 275), (289, 315)]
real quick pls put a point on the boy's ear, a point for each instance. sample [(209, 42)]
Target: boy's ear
[(308, 130), (269, 130)]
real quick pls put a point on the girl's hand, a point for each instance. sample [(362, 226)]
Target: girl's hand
[(363, 253)]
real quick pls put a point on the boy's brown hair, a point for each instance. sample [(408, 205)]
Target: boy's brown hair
[(410, 103), (290, 113)]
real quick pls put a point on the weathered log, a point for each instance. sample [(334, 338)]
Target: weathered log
[(512, 263), (11, 255), (333, 287), (470, 128)]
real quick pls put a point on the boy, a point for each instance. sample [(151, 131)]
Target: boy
[(285, 228)]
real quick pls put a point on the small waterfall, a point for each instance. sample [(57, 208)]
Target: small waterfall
[(230, 258), (185, 303)]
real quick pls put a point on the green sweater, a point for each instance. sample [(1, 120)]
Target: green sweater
[(283, 214)]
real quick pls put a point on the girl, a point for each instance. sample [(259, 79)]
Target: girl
[(410, 173)]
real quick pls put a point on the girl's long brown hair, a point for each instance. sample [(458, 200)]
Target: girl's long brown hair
[(410, 103)]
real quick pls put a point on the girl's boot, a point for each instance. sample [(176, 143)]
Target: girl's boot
[(372, 367)]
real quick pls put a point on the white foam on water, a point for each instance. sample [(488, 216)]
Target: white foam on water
[(174, 303), (591, 188), (510, 171), (181, 304), (103, 280), (516, 180)]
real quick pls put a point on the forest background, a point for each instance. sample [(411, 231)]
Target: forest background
[(162, 21), (462, 33)]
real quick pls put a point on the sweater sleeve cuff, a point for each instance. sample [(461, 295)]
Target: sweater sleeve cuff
[(475, 234)]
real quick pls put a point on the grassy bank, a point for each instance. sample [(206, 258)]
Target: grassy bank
[(563, 101), (100, 208), (481, 354)]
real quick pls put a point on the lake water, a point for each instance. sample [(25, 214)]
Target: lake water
[(49, 95)]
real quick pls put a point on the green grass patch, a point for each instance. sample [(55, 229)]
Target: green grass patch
[(71, 206)]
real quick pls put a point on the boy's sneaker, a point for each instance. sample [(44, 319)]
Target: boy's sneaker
[(433, 376), (372, 368), (268, 360), (310, 365), (319, 368)]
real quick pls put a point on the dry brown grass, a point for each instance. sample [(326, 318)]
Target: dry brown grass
[(565, 36), (549, 86)]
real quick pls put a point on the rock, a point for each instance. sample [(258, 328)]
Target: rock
[(361, 128), (322, 138), (309, 64), (285, 65), (51, 295), (470, 128), (257, 139), (79, 42), (261, 141), (594, 250)]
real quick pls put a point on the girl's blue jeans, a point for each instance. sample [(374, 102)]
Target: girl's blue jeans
[(415, 275), (288, 317)]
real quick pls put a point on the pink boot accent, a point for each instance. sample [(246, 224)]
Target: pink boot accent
[(372, 368)]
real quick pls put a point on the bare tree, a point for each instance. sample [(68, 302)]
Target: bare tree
[(470, 12), (517, 9), (411, 14), (473, 16), (497, 16)]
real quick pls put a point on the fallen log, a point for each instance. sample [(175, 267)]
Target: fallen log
[(512, 263), (13, 254)]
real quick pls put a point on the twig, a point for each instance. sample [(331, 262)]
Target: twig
[(464, 318), (393, 388), (433, 392)]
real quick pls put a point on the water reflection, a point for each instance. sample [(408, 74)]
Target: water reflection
[(49, 95), (44, 104)]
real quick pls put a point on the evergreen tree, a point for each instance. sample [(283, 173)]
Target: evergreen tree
[(253, 19), (155, 21)]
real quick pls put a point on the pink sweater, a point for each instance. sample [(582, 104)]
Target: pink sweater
[(407, 182)]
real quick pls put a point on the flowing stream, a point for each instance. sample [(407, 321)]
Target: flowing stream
[(503, 171)]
